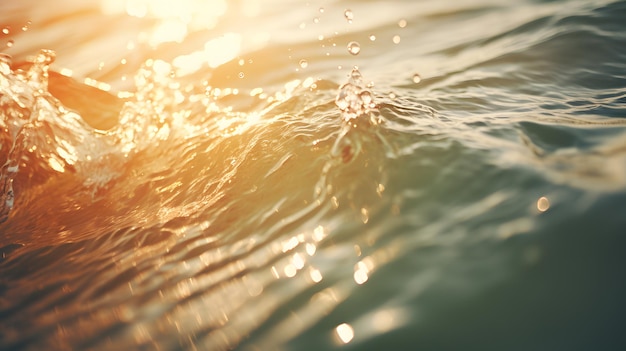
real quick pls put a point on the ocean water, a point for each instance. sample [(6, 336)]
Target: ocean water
[(321, 175)]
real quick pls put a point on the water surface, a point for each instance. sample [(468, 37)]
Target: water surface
[(251, 175)]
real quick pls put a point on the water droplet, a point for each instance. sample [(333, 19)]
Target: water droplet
[(26, 26), (417, 78), (392, 96), (320, 37), (316, 20), (241, 75), (303, 63), (321, 10), (402, 23), (543, 204), (348, 15), (372, 37), (396, 39), (354, 48), (355, 75), (241, 62), (302, 25), (10, 43), (6, 30)]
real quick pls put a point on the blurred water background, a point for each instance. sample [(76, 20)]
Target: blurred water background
[(321, 175)]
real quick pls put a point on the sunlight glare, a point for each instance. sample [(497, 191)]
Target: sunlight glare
[(345, 332), (175, 19), (167, 31)]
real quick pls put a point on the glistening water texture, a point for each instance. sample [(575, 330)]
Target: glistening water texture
[(263, 175)]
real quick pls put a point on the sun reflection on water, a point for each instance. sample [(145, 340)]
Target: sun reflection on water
[(345, 332)]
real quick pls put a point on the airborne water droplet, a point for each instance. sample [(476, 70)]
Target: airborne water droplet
[(354, 48), (10, 43), (402, 23), (321, 10), (304, 63), (6, 30), (355, 75), (372, 37), (417, 78), (348, 15), (241, 75), (396, 39)]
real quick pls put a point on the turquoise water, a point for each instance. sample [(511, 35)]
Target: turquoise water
[(218, 175)]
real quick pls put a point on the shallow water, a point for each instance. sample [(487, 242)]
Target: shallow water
[(218, 176)]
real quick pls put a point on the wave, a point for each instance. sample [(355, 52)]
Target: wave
[(284, 198)]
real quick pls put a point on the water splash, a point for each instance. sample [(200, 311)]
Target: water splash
[(358, 111), (150, 115), (17, 109), (42, 137), (354, 99)]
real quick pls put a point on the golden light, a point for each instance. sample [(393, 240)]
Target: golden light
[(388, 319), (310, 249), (175, 19), (297, 261), (56, 165), (216, 52), (290, 244), (316, 275), (345, 332), (319, 233), (363, 269), (290, 271), (223, 49), (360, 276), (169, 30)]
